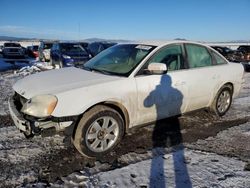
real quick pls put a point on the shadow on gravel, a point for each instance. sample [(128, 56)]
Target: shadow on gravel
[(168, 135)]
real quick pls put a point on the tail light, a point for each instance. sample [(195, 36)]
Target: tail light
[(35, 54)]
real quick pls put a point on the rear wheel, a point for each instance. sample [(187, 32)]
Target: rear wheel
[(53, 63), (222, 101), (99, 131)]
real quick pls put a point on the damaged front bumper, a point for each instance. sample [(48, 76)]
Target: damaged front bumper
[(36, 127)]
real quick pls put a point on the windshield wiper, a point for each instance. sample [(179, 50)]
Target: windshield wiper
[(97, 70), (86, 68), (101, 71)]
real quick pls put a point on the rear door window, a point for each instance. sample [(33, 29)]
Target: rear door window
[(198, 56)]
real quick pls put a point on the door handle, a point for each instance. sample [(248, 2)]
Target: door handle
[(215, 76), (180, 83)]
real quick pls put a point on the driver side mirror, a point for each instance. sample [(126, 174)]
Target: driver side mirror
[(157, 68)]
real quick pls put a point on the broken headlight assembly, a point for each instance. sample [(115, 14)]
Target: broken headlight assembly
[(40, 106)]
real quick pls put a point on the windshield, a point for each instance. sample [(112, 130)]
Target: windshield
[(73, 48), (120, 59), (35, 48)]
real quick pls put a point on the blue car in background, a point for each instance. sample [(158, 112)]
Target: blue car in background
[(68, 54)]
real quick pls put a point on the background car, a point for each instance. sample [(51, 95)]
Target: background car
[(96, 47), (44, 50), (66, 54), (32, 51), (13, 50), (245, 49), (236, 56), (229, 54)]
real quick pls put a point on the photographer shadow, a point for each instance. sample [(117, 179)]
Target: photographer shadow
[(167, 133)]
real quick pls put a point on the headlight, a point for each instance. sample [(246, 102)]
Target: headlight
[(69, 64), (40, 106), (66, 57)]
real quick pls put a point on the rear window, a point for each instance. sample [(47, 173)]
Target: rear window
[(72, 48), (12, 45), (35, 48)]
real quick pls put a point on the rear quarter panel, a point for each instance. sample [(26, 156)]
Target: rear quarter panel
[(229, 73)]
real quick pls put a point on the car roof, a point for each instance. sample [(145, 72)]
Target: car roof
[(160, 43)]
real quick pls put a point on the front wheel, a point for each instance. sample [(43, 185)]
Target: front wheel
[(99, 131), (222, 101)]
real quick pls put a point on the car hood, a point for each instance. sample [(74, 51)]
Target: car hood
[(60, 80)]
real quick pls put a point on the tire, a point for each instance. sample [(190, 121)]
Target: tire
[(53, 63), (99, 131), (60, 64), (222, 101)]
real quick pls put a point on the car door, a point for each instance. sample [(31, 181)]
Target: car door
[(201, 77), (161, 96)]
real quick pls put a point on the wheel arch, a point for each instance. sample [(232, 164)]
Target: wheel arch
[(213, 103), (230, 84), (121, 110), (112, 104)]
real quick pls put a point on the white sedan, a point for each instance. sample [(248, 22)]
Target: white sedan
[(122, 87)]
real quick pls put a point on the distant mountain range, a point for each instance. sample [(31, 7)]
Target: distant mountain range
[(9, 38), (105, 40)]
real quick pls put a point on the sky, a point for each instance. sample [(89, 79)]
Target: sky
[(199, 20)]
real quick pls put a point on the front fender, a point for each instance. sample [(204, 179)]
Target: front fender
[(77, 101)]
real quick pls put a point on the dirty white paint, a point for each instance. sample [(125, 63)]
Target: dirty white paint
[(146, 98)]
